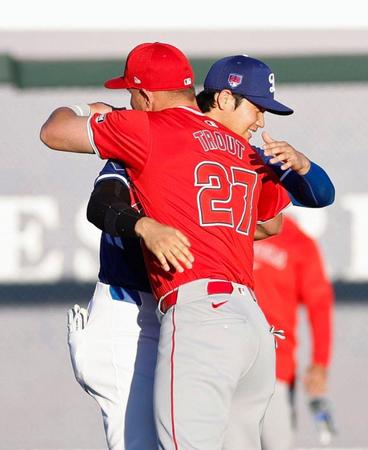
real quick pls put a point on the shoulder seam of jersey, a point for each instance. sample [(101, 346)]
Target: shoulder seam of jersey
[(112, 175), (115, 165)]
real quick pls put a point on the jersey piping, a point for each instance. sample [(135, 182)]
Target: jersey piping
[(281, 210), (108, 175), (91, 138)]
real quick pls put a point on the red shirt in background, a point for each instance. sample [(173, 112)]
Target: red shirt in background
[(194, 174), (288, 272)]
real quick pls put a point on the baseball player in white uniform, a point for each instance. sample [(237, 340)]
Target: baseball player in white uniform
[(114, 352)]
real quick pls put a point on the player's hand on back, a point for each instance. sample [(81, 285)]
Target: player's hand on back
[(169, 245), (285, 153)]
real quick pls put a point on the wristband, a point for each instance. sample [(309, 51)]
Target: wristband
[(120, 220), (125, 222), (81, 109)]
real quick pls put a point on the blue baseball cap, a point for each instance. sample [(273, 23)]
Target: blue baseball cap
[(248, 77)]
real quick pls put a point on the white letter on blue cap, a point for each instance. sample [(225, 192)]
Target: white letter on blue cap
[(271, 79)]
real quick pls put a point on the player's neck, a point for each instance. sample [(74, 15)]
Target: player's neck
[(175, 104), (164, 100), (226, 120)]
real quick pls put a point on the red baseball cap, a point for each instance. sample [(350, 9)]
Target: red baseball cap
[(155, 67)]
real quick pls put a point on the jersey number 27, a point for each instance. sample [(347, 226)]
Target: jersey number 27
[(225, 199)]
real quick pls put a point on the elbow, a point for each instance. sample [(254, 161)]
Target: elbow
[(96, 213), (320, 186), (91, 212), (43, 134), (271, 228), (276, 227), (274, 231), (47, 136), (324, 198), (53, 136), (319, 198), (328, 198)]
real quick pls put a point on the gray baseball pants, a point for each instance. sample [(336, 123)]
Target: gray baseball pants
[(278, 431), (215, 372)]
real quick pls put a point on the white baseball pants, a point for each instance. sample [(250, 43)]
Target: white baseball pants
[(114, 359)]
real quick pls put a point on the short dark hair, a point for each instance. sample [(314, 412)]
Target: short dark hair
[(206, 99)]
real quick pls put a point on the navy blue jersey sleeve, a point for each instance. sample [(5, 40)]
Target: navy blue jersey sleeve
[(316, 190), (312, 190), (113, 170)]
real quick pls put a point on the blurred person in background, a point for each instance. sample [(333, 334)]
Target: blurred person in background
[(289, 272)]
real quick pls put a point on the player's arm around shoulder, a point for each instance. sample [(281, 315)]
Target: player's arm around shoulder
[(307, 183), (66, 128)]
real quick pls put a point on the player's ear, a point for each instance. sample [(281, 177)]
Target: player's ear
[(147, 98), (225, 100)]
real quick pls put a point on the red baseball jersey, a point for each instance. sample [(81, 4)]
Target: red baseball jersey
[(288, 272), (192, 173)]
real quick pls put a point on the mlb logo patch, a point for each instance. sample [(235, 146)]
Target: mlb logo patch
[(211, 123), (234, 80)]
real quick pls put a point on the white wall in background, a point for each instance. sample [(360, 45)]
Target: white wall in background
[(164, 14)]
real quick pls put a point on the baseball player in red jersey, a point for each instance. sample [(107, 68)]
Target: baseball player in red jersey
[(214, 375), (288, 272)]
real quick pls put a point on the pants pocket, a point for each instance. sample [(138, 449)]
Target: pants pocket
[(76, 344), (225, 320)]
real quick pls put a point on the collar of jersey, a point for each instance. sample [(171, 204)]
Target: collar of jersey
[(190, 109)]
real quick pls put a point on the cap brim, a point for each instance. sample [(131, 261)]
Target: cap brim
[(271, 105), (116, 83)]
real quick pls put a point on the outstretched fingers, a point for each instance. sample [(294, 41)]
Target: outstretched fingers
[(169, 245)]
